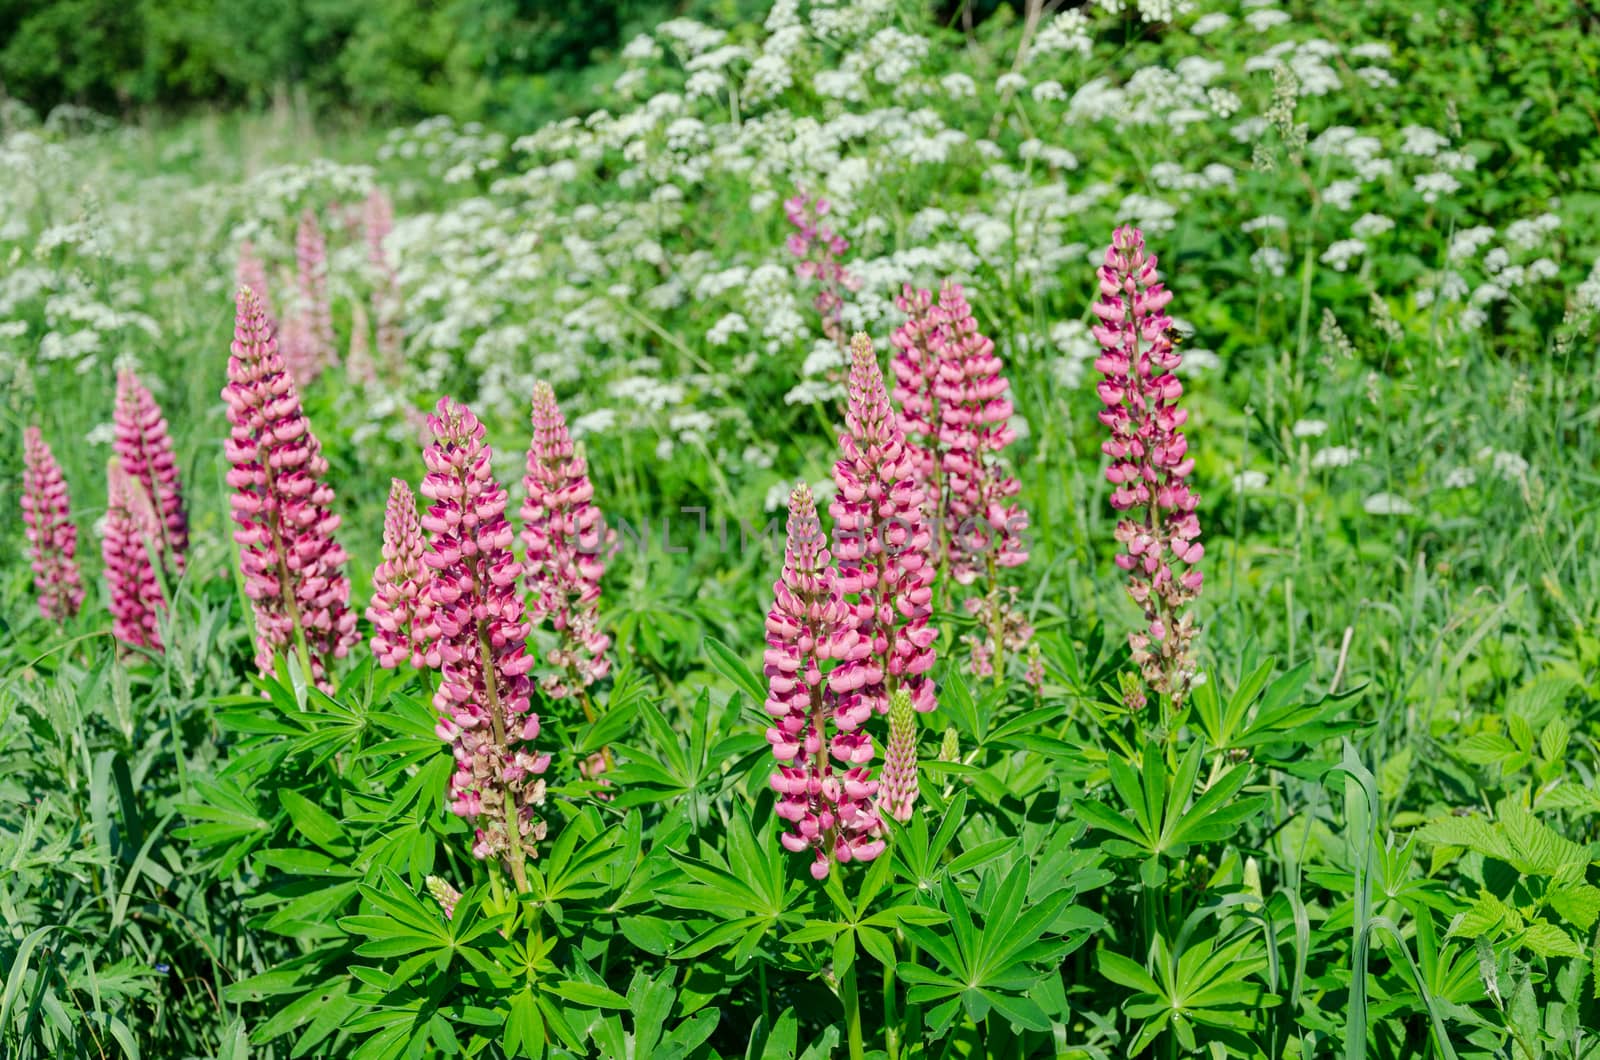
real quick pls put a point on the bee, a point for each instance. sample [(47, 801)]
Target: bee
[(1178, 334)]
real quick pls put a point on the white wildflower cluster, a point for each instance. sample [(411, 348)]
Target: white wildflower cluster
[(633, 253)]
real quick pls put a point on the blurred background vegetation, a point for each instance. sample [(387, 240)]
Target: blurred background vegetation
[(511, 61)]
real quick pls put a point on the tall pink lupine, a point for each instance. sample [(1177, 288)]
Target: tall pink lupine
[(564, 537), (398, 611), (480, 631), (52, 536), (882, 542), (819, 249), (1149, 461), (298, 349), (983, 523), (314, 310), (377, 223), (252, 274), (955, 412), (358, 366), (130, 532), (919, 347), (832, 811), (144, 446), (293, 568)]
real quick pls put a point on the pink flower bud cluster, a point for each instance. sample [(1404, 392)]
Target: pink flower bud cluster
[(565, 537), (293, 568), (130, 532), (882, 542), (52, 537), (897, 785), (819, 249), (378, 222), (479, 629), (145, 448), (1149, 460), (252, 274), (308, 334), (831, 810), (399, 611)]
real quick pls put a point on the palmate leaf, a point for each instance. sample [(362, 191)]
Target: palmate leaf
[(999, 958), (1158, 817), (1207, 984)]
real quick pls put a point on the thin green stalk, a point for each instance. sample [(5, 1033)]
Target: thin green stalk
[(852, 1013)]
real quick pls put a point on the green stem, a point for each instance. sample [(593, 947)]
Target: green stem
[(891, 1018), (852, 1013), (514, 856)]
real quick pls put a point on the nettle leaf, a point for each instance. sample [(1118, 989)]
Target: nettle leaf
[(1578, 903), (1536, 848), (1546, 940), (1487, 916), (1486, 748)]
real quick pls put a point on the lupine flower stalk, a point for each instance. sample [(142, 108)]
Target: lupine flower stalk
[(378, 222), (144, 446), (358, 366), (315, 312), (955, 413), (252, 274), (919, 346), (831, 810), (882, 541), (52, 536), (897, 784), (479, 629), (130, 532), (298, 350), (819, 249), (984, 522), (399, 611), (564, 538), (293, 567), (1149, 461)]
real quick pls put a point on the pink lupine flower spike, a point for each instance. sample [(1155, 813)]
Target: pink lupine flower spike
[(1149, 461), (52, 536), (145, 449), (129, 533), (564, 537), (819, 250), (293, 568), (399, 611), (831, 811), (883, 542), (480, 631)]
